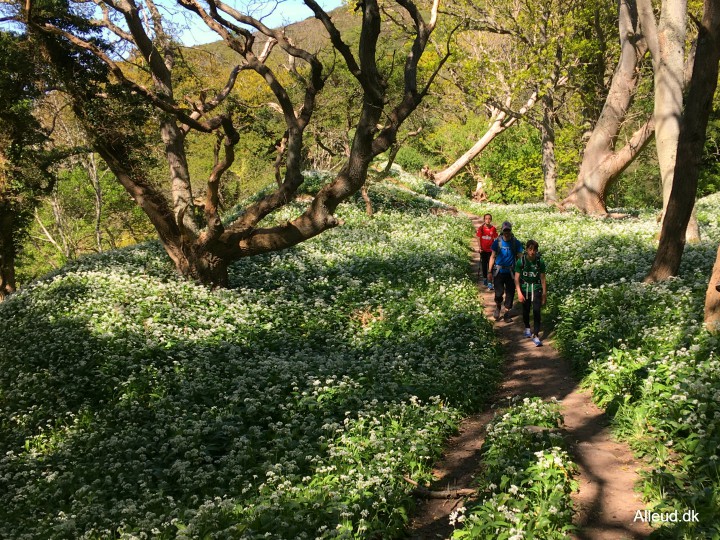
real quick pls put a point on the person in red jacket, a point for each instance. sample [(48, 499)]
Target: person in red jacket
[(486, 233)]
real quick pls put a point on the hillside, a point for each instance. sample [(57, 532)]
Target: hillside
[(309, 33)]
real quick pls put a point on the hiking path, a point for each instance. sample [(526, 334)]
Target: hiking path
[(605, 504)]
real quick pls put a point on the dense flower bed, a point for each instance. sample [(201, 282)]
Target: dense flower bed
[(134, 404), (526, 479)]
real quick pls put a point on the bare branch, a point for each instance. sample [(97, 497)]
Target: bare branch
[(204, 107), (106, 22), (212, 200), (117, 72), (335, 38)]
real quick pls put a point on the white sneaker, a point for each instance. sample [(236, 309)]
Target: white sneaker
[(536, 341), (527, 333)]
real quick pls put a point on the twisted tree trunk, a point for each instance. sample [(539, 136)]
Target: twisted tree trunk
[(601, 163)]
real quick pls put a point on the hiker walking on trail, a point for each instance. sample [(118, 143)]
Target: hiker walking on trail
[(531, 288), (486, 233), (505, 250)]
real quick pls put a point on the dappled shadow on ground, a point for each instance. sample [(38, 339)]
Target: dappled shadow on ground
[(121, 419), (606, 503)]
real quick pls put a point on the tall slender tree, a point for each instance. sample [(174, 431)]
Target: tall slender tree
[(666, 41), (691, 142)]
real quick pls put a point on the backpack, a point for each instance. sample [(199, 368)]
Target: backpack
[(522, 266), (513, 247)]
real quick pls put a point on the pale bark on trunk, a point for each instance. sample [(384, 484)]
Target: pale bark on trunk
[(58, 214), (181, 189), (691, 141), (48, 236), (547, 136), (666, 41), (692, 231), (499, 122), (91, 167), (601, 163), (712, 298)]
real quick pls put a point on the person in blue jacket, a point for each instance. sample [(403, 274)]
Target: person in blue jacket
[(505, 250)]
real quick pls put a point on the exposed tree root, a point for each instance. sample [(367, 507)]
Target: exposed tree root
[(426, 493)]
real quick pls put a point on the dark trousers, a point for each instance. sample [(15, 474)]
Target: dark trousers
[(484, 262), (534, 300), (504, 283)]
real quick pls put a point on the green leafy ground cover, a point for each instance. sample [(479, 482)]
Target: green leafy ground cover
[(133, 404), (136, 405), (527, 477), (641, 348)]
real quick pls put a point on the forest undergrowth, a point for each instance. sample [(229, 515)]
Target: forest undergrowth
[(134, 404), (640, 348)]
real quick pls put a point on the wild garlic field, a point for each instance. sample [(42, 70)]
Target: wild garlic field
[(137, 405), (640, 348), (134, 404)]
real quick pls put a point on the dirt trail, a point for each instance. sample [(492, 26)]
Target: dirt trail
[(606, 502)]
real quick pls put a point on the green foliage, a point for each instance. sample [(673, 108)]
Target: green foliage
[(513, 167), (639, 185), (527, 477), (292, 405), (411, 159), (709, 179), (452, 138), (69, 216), (25, 157), (568, 155)]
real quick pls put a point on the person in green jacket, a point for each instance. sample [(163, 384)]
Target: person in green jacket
[(531, 288)]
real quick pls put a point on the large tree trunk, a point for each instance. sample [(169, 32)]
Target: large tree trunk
[(7, 253), (204, 255), (182, 197), (601, 164), (712, 298), (499, 122), (690, 147), (547, 135), (666, 41)]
